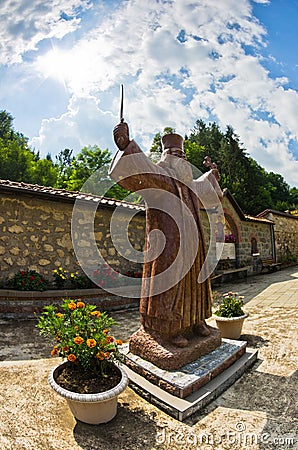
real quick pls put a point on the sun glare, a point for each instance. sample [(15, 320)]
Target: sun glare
[(58, 64)]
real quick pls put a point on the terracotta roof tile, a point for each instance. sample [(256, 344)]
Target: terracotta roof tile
[(64, 195)]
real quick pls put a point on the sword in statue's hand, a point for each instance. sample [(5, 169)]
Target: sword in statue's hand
[(121, 104), (121, 133)]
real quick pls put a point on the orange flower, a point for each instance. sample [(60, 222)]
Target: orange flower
[(72, 357), (91, 343), (54, 351), (81, 305), (59, 315), (72, 306), (76, 327), (107, 355), (109, 339), (65, 349), (95, 313), (118, 342), (100, 356), (106, 331), (78, 340)]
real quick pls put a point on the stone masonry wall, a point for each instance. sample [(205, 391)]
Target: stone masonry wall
[(245, 231), (35, 233), (286, 236)]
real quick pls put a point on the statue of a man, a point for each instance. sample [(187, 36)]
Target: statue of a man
[(173, 304)]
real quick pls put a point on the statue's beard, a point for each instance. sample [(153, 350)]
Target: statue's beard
[(180, 166)]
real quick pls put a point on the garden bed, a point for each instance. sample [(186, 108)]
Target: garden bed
[(26, 304)]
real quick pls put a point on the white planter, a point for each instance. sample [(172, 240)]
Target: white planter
[(91, 408), (230, 327)]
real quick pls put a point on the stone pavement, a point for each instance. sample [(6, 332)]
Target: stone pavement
[(258, 412)]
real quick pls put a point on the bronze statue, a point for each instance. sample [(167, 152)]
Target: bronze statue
[(173, 304)]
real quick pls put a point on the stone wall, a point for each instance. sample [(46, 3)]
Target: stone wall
[(35, 233), (36, 225), (248, 227), (286, 235), (245, 228)]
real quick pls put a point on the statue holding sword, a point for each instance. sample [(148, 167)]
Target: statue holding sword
[(175, 294)]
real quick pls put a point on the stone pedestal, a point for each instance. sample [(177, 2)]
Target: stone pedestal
[(182, 392), (166, 355)]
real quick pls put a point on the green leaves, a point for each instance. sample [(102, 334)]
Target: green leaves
[(28, 280), (230, 305), (81, 333)]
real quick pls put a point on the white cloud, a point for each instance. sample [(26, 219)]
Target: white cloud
[(80, 126), (25, 23), (179, 60)]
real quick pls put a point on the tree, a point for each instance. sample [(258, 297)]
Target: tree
[(279, 190), (245, 179), (90, 160), (18, 161), (156, 147), (44, 172), (63, 167)]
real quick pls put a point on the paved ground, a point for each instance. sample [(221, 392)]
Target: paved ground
[(258, 412)]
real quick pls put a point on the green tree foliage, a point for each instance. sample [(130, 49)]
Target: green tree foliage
[(63, 167), (18, 161), (88, 171), (87, 162), (252, 187)]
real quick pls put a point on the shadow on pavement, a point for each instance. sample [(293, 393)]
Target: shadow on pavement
[(139, 432)]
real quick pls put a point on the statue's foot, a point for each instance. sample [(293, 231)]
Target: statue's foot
[(179, 341), (201, 329)]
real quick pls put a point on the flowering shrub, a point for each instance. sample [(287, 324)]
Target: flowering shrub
[(60, 277), (81, 334), (133, 274), (28, 280), (230, 238), (106, 276), (80, 281), (230, 306), (63, 279)]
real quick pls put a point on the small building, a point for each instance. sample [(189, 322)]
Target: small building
[(285, 234), (247, 240)]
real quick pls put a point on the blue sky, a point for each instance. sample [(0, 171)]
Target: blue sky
[(234, 62)]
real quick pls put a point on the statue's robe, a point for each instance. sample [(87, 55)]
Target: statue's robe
[(173, 299)]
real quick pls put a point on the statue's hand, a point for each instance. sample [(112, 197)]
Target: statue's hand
[(216, 174), (121, 135)]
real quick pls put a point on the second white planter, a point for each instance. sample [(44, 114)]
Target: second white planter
[(230, 327)]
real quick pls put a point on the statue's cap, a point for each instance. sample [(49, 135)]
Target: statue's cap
[(172, 140)]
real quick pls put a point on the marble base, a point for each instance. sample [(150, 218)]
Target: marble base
[(181, 393), (192, 376)]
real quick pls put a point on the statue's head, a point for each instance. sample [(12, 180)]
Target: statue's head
[(173, 156), (172, 144)]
